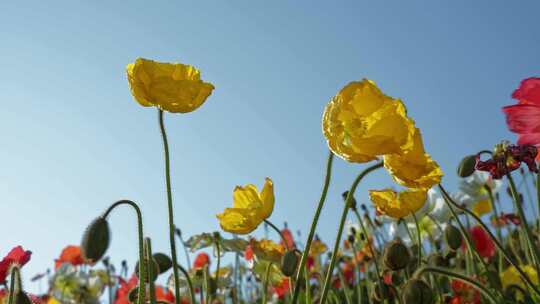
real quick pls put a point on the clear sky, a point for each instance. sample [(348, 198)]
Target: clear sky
[(73, 140)]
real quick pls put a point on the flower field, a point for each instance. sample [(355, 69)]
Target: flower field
[(415, 241)]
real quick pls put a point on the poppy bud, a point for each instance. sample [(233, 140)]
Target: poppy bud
[(22, 298), (289, 262), (95, 240), (453, 237), (417, 291), (466, 166), (155, 273), (437, 259), (163, 261), (396, 256)]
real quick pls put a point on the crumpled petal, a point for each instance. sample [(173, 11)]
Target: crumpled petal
[(267, 198), (398, 204), (237, 220), (528, 91)]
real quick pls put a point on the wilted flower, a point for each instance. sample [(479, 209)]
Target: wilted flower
[(524, 117), (507, 158), (250, 208), (361, 123), (505, 219), (17, 256), (398, 204), (172, 87)]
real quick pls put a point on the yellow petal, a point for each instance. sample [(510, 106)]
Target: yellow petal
[(482, 207), (172, 87), (246, 197), (415, 168), (267, 250), (361, 123), (267, 199), (238, 221), (398, 204)]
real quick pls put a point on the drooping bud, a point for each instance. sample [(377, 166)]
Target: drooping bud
[(417, 291), (289, 262), (396, 255), (163, 261), (95, 240), (453, 237), (466, 166)]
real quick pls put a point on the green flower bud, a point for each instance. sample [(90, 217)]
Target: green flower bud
[(163, 261), (453, 237), (396, 256), (466, 166), (95, 240), (417, 291), (289, 262)]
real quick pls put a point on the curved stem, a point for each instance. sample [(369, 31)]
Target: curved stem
[(150, 273), (348, 202), (190, 284), (276, 229), (170, 206), (457, 276), (497, 243), (265, 284), (142, 264), (314, 222), (528, 233)]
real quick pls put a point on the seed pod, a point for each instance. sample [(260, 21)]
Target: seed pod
[(417, 291), (22, 298), (95, 240), (163, 260), (396, 256), (289, 262), (453, 237), (466, 166), (155, 273)]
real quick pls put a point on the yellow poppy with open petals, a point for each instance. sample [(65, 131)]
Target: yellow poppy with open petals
[(398, 204), (361, 123), (172, 87), (250, 208), (415, 168)]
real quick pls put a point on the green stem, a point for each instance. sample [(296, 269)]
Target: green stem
[(529, 196), (13, 287), (190, 284), (528, 233), (265, 284), (150, 273), (308, 288), (142, 264), (419, 240), (170, 206), (460, 277), (348, 203), (314, 222), (358, 272), (538, 193), (276, 229), (186, 252), (497, 243), (346, 289), (497, 228), (206, 278)]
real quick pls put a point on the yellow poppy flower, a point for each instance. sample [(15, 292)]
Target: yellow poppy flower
[(415, 168), (398, 204), (173, 87), (317, 247), (250, 208), (511, 276), (267, 250), (482, 207), (361, 123)]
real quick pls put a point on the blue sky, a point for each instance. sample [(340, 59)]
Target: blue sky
[(74, 140)]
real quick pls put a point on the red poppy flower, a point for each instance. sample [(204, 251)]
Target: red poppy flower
[(202, 259), (70, 255), (506, 219), (508, 158), (482, 242), (464, 293), (282, 288), (524, 117), (122, 293), (164, 295), (287, 235), (17, 256)]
